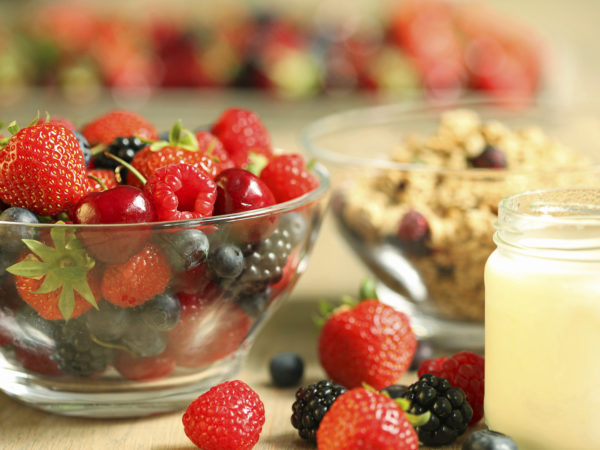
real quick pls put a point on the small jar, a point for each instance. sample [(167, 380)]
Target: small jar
[(542, 320)]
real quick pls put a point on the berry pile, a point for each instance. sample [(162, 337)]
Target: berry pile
[(141, 300)]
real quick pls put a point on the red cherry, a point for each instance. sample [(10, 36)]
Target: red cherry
[(239, 190), (121, 204)]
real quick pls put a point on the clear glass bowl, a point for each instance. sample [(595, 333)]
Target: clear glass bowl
[(147, 356), (438, 277)]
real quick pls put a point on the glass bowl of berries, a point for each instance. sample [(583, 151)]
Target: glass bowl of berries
[(135, 273), (416, 189)]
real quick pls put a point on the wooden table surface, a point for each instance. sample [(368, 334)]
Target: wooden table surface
[(291, 328)]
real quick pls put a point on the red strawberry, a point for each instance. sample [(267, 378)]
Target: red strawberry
[(210, 145), (464, 370), (141, 277), (119, 123), (64, 122), (371, 343), (37, 360), (242, 132), (287, 177), (361, 418), (107, 177), (208, 330), (182, 147), (230, 416), (42, 169), (181, 192), (144, 369)]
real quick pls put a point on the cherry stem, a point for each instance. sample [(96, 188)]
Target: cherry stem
[(98, 180), (132, 169)]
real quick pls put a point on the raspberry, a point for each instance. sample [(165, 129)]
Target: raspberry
[(229, 416), (140, 278), (464, 370), (312, 402), (287, 177), (181, 192)]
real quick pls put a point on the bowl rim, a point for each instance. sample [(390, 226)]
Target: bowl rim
[(279, 208), (407, 111)]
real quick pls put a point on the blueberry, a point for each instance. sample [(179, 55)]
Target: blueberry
[(144, 341), (294, 224), (423, 352), (286, 369), (488, 440), (84, 145), (161, 312), (254, 304), (396, 390), (226, 261), (11, 235), (185, 249), (123, 147), (108, 322)]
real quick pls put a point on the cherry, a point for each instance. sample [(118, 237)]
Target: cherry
[(239, 190), (121, 204)]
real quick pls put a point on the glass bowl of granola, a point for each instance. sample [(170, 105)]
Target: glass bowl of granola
[(416, 189)]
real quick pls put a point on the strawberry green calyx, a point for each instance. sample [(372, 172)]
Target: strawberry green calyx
[(367, 291), (257, 163), (64, 266), (178, 137), (416, 420), (128, 166)]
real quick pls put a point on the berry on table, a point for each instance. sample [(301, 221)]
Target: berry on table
[(311, 404), (450, 411), (371, 343), (232, 408), (488, 440), (465, 370), (287, 177), (286, 369), (362, 418)]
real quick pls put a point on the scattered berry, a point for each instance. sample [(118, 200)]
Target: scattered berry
[(465, 370), (362, 418), (242, 132), (488, 440), (287, 177), (371, 343), (105, 129), (141, 277), (42, 169), (311, 405), (286, 369), (490, 158), (230, 416), (181, 192), (450, 411)]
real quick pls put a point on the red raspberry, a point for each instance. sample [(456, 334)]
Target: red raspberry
[(211, 146), (181, 192), (141, 277), (242, 132), (464, 370), (287, 177), (144, 369), (229, 416)]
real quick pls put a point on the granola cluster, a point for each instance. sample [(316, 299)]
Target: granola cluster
[(459, 206)]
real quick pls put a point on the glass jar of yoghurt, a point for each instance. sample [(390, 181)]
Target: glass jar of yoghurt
[(542, 320)]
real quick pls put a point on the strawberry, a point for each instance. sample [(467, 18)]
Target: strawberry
[(64, 122), (362, 418), (37, 359), (242, 133), (209, 144), (182, 147), (287, 177), (208, 330), (42, 169), (118, 123), (58, 282), (371, 343), (181, 192), (141, 277), (230, 416), (106, 176)]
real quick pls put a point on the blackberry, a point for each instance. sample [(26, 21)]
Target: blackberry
[(396, 390), (450, 411), (123, 147), (76, 353), (312, 402)]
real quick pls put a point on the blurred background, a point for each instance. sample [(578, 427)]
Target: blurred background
[(291, 62)]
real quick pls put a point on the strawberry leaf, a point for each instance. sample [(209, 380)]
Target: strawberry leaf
[(45, 253), (83, 288), (368, 290), (66, 302), (51, 283), (28, 268), (13, 128), (58, 235)]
